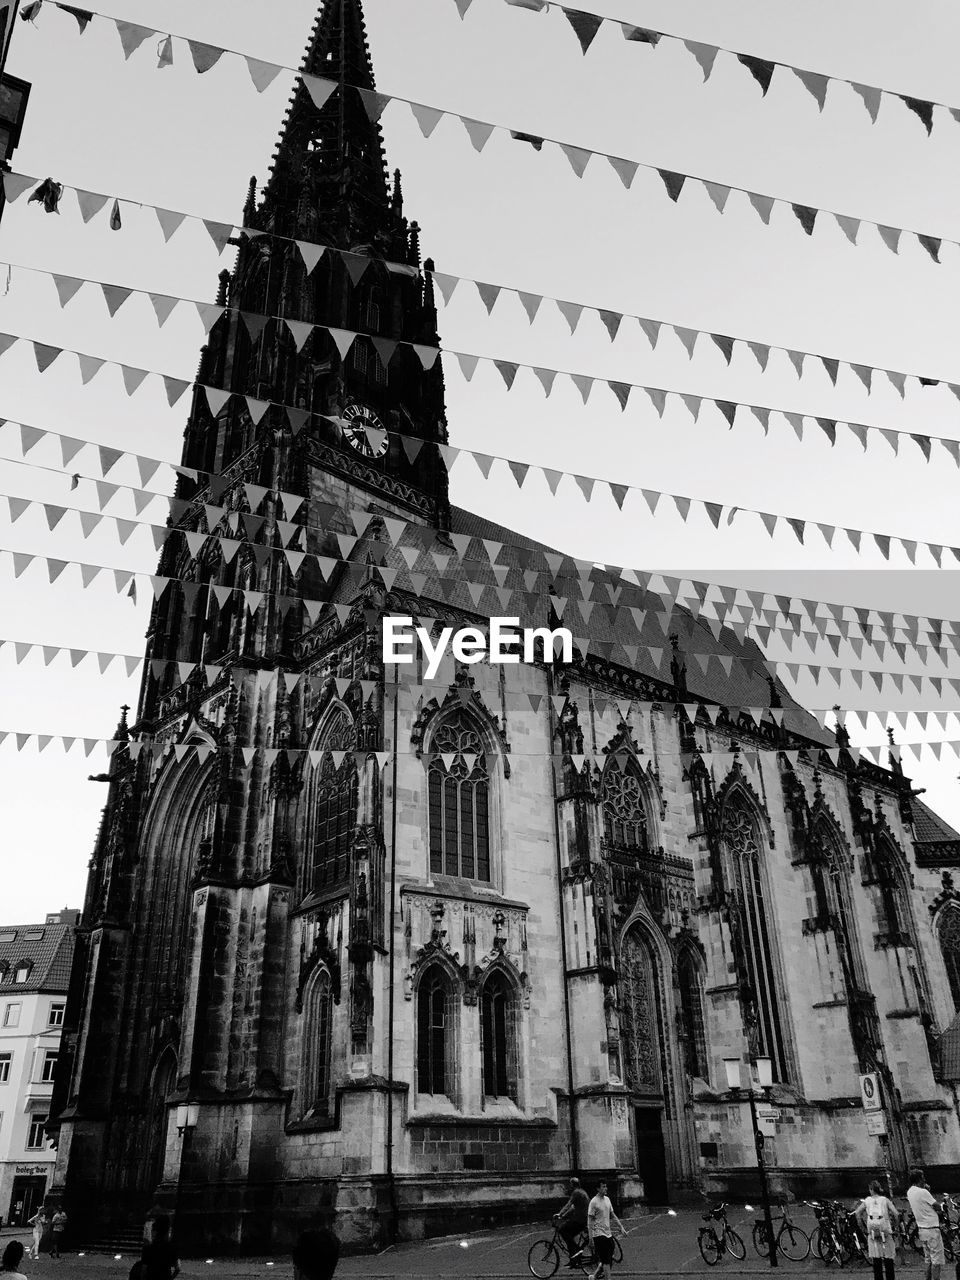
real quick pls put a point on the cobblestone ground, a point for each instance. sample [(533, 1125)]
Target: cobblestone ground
[(658, 1244)]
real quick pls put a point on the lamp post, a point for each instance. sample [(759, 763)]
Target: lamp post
[(765, 1080)]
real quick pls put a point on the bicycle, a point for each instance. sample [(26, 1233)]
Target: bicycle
[(543, 1258), (713, 1244), (792, 1241), (826, 1238)]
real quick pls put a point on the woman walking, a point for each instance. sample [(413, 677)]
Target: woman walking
[(879, 1215), (39, 1222)]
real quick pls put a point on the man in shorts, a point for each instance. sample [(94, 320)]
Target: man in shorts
[(600, 1223), (927, 1214)]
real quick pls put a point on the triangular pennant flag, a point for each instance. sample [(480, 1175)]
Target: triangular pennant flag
[(67, 287), (705, 54), (15, 184), (761, 354), (489, 293), (725, 344), (585, 25), (652, 330), (849, 226), (890, 237), (262, 74), (922, 109), (673, 183), (762, 204), (688, 337), (132, 377), (719, 194), (508, 371), (478, 132), (343, 339), (806, 215), (759, 68), (163, 307), (468, 364), (320, 90), (204, 56), (219, 233), (426, 117), (45, 355), (611, 322), (300, 331), (871, 98), (814, 83), (579, 157), (932, 245), (132, 35), (571, 312), (114, 296), (622, 391), (626, 170)]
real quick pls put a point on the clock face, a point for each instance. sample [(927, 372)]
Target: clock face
[(364, 431)]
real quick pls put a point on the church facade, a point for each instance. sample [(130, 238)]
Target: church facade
[(474, 934)]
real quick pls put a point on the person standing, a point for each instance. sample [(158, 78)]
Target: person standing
[(159, 1259), (58, 1225), (39, 1222), (600, 1223), (879, 1216), (572, 1220), (927, 1214)]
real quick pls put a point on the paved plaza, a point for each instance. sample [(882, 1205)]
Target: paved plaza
[(658, 1244)]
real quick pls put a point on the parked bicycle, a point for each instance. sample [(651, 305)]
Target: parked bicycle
[(718, 1237), (545, 1255), (830, 1239), (792, 1241)]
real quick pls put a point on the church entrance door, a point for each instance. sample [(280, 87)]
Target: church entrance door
[(651, 1154)]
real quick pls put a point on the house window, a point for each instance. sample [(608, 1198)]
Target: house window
[(5, 1060), (11, 1015), (949, 933), (22, 973), (49, 1066), (691, 1010), (56, 1014), (336, 805), (36, 1136), (624, 817), (459, 802), (498, 1041), (752, 943), (315, 1072), (435, 1034)]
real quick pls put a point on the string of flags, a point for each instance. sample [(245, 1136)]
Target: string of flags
[(312, 252), (585, 25), (294, 757), (213, 673), (163, 305), (428, 117), (659, 657), (692, 593)]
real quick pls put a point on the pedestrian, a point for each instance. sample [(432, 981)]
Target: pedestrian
[(159, 1260), (927, 1215), (879, 1216), (600, 1222), (58, 1224), (10, 1261), (39, 1222), (315, 1255)]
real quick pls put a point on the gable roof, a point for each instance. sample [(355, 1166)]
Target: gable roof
[(50, 956)]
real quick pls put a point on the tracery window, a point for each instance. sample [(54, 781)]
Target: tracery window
[(891, 918), (691, 1010), (498, 1038), (741, 837), (624, 816), (832, 888), (949, 932), (337, 797), (435, 1033), (640, 1022), (459, 801), (315, 1052)]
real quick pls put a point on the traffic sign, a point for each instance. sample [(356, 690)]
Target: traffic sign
[(870, 1091)]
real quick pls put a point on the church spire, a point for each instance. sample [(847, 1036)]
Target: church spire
[(329, 166)]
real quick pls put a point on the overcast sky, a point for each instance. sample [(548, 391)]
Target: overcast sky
[(189, 142)]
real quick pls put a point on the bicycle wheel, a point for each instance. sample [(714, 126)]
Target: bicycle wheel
[(735, 1246), (710, 1247), (761, 1241), (913, 1238), (828, 1246), (793, 1242), (543, 1259)]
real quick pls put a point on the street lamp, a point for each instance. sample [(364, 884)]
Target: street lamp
[(188, 1114), (764, 1069)]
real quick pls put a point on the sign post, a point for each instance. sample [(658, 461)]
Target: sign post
[(872, 1095)]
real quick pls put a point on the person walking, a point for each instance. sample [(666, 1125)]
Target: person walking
[(58, 1224), (600, 1223), (39, 1222), (159, 1259), (572, 1221), (879, 1216), (926, 1211)]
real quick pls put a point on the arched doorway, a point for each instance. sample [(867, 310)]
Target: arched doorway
[(647, 1064), (162, 1086)]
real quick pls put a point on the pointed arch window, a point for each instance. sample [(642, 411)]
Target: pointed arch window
[(834, 901), (640, 1016), (498, 1034), (691, 1011), (892, 920), (624, 815), (741, 836), (435, 1033), (335, 812), (459, 801), (949, 934), (316, 1046)]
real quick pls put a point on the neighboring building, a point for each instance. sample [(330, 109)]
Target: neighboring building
[(13, 94), (422, 995), (35, 962)]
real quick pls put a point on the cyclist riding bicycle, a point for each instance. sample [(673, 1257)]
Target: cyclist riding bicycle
[(572, 1221)]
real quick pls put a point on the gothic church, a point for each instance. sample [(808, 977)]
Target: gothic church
[(413, 982)]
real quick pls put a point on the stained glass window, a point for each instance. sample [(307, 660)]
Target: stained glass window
[(624, 817), (691, 1010), (639, 1021), (434, 1031), (742, 839), (316, 1046), (459, 801), (890, 915), (950, 946), (497, 1031), (336, 806)]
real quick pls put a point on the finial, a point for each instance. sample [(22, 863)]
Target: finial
[(224, 279), (414, 244), (250, 204), (839, 732), (397, 199), (123, 729), (774, 692), (678, 668)]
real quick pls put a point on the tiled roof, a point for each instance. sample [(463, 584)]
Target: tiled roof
[(950, 1051), (50, 956), (929, 827)]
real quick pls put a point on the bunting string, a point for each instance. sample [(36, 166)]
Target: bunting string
[(312, 252)]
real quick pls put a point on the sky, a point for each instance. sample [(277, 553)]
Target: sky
[(509, 215)]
